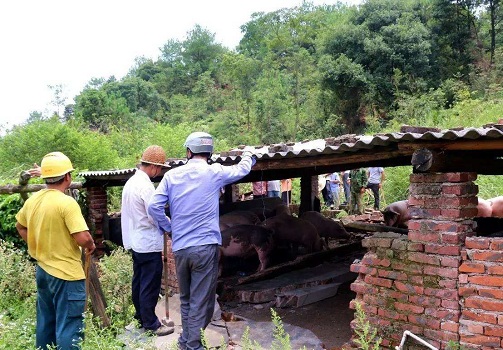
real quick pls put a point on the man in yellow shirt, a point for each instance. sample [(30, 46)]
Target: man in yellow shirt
[(52, 225)]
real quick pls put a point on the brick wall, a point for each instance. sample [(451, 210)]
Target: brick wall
[(172, 280), (481, 295), (97, 205), (411, 283)]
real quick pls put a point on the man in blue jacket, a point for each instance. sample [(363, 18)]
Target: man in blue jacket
[(192, 192)]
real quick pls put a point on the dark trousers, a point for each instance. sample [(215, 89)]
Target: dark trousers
[(286, 196), (347, 190), (327, 195), (146, 286), (375, 191), (196, 270)]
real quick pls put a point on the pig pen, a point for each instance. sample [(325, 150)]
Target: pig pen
[(311, 291)]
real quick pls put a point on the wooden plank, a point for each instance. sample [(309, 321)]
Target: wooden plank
[(11, 189), (301, 261), (369, 227), (98, 302), (305, 296), (449, 145), (435, 161)]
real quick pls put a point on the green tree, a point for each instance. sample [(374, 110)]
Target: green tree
[(59, 98), (241, 73), (452, 26), (99, 111), (347, 83)]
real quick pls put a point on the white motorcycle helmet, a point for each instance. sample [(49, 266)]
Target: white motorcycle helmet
[(199, 142)]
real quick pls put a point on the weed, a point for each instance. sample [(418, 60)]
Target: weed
[(367, 338), (116, 271)]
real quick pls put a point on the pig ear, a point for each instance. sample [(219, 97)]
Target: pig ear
[(395, 218), (392, 216)]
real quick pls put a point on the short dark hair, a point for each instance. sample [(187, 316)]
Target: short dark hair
[(55, 180), (205, 154)]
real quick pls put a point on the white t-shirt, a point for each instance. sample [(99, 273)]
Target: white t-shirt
[(274, 185), (375, 175)]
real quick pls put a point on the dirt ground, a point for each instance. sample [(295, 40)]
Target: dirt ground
[(328, 319)]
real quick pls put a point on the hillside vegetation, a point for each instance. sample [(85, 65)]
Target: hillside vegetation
[(298, 73)]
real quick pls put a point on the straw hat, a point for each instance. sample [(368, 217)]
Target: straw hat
[(154, 155)]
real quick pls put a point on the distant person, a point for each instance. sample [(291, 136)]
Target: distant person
[(274, 188), (142, 236), (346, 186), (376, 177), (324, 188), (334, 182), (286, 191), (259, 189), (52, 225), (358, 182), (192, 192)]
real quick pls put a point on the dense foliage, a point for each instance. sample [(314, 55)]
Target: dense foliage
[(303, 72), (298, 73)]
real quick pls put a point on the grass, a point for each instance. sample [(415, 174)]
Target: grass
[(18, 311)]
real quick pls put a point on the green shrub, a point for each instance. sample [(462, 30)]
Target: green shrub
[(9, 206), (17, 325), (17, 280), (17, 304), (116, 272), (366, 334)]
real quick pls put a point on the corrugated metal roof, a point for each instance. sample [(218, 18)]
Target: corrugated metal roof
[(335, 145), (107, 172)]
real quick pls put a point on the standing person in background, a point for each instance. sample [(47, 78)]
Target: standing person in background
[(346, 186), (192, 192), (286, 191), (259, 189), (324, 188), (358, 184), (335, 182), (376, 177), (274, 188), (140, 234), (52, 225)]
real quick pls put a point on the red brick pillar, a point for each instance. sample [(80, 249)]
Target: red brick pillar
[(172, 280), (97, 204), (442, 206)]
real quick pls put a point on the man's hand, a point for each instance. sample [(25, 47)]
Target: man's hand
[(35, 171), (90, 249)]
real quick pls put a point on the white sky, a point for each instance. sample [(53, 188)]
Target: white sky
[(68, 42)]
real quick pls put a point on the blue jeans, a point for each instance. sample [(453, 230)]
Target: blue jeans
[(60, 308), (146, 286), (196, 270), (335, 195), (273, 194)]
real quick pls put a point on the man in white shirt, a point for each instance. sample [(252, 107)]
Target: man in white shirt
[(274, 188), (335, 182), (142, 236), (376, 177)]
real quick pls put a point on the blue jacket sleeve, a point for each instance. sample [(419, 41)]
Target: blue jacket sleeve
[(235, 172), (156, 207)]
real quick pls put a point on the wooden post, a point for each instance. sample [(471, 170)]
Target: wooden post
[(11, 189), (309, 194)]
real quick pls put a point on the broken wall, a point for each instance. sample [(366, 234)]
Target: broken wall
[(413, 282)]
